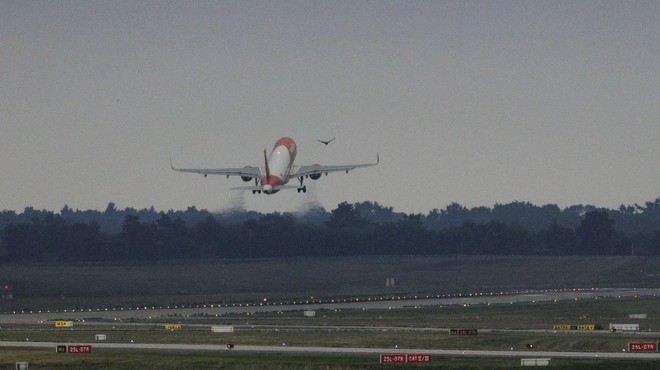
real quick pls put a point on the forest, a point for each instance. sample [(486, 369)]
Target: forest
[(366, 228)]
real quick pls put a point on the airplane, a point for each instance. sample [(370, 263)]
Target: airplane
[(325, 142), (277, 170)]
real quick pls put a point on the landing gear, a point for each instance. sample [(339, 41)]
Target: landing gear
[(302, 187), (256, 183)]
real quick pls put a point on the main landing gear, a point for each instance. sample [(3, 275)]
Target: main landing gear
[(256, 182), (301, 188)]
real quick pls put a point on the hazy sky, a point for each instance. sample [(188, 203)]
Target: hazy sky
[(475, 102)]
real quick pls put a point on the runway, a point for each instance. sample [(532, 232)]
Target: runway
[(149, 313), (347, 350), (112, 317)]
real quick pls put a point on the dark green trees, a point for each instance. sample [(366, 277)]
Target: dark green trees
[(595, 234)]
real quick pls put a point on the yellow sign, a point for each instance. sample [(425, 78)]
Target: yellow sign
[(173, 327), (574, 327), (63, 324)]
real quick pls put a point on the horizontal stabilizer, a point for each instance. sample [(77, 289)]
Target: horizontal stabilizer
[(253, 188), (259, 188)]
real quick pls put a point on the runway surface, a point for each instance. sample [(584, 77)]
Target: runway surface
[(348, 350), (148, 313)]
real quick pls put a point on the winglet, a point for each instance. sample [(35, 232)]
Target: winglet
[(171, 165), (377, 158)]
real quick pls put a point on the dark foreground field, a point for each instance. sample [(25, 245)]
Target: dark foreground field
[(518, 317), (47, 286), (65, 286), (116, 360)]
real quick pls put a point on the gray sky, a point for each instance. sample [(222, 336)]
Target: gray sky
[(476, 102)]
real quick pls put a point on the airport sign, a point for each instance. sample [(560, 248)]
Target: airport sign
[(405, 358), (63, 324), (74, 348), (574, 327), (463, 331), (418, 358), (642, 347), (79, 348), (392, 359)]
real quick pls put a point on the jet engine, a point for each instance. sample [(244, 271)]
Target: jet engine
[(246, 178), (315, 176)]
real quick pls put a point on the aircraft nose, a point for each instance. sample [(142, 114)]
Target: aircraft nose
[(268, 189)]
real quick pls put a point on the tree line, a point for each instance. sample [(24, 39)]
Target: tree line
[(364, 228)]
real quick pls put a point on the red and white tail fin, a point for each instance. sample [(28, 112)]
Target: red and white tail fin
[(267, 169)]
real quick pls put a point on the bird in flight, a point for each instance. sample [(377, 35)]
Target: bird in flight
[(325, 142)]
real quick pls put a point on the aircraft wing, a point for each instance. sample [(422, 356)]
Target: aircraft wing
[(317, 169), (253, 172)]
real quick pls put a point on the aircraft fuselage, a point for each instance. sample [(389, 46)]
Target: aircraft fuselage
[(279, 165)]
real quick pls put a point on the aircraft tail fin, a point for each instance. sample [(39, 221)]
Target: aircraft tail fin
[(267, 169)]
